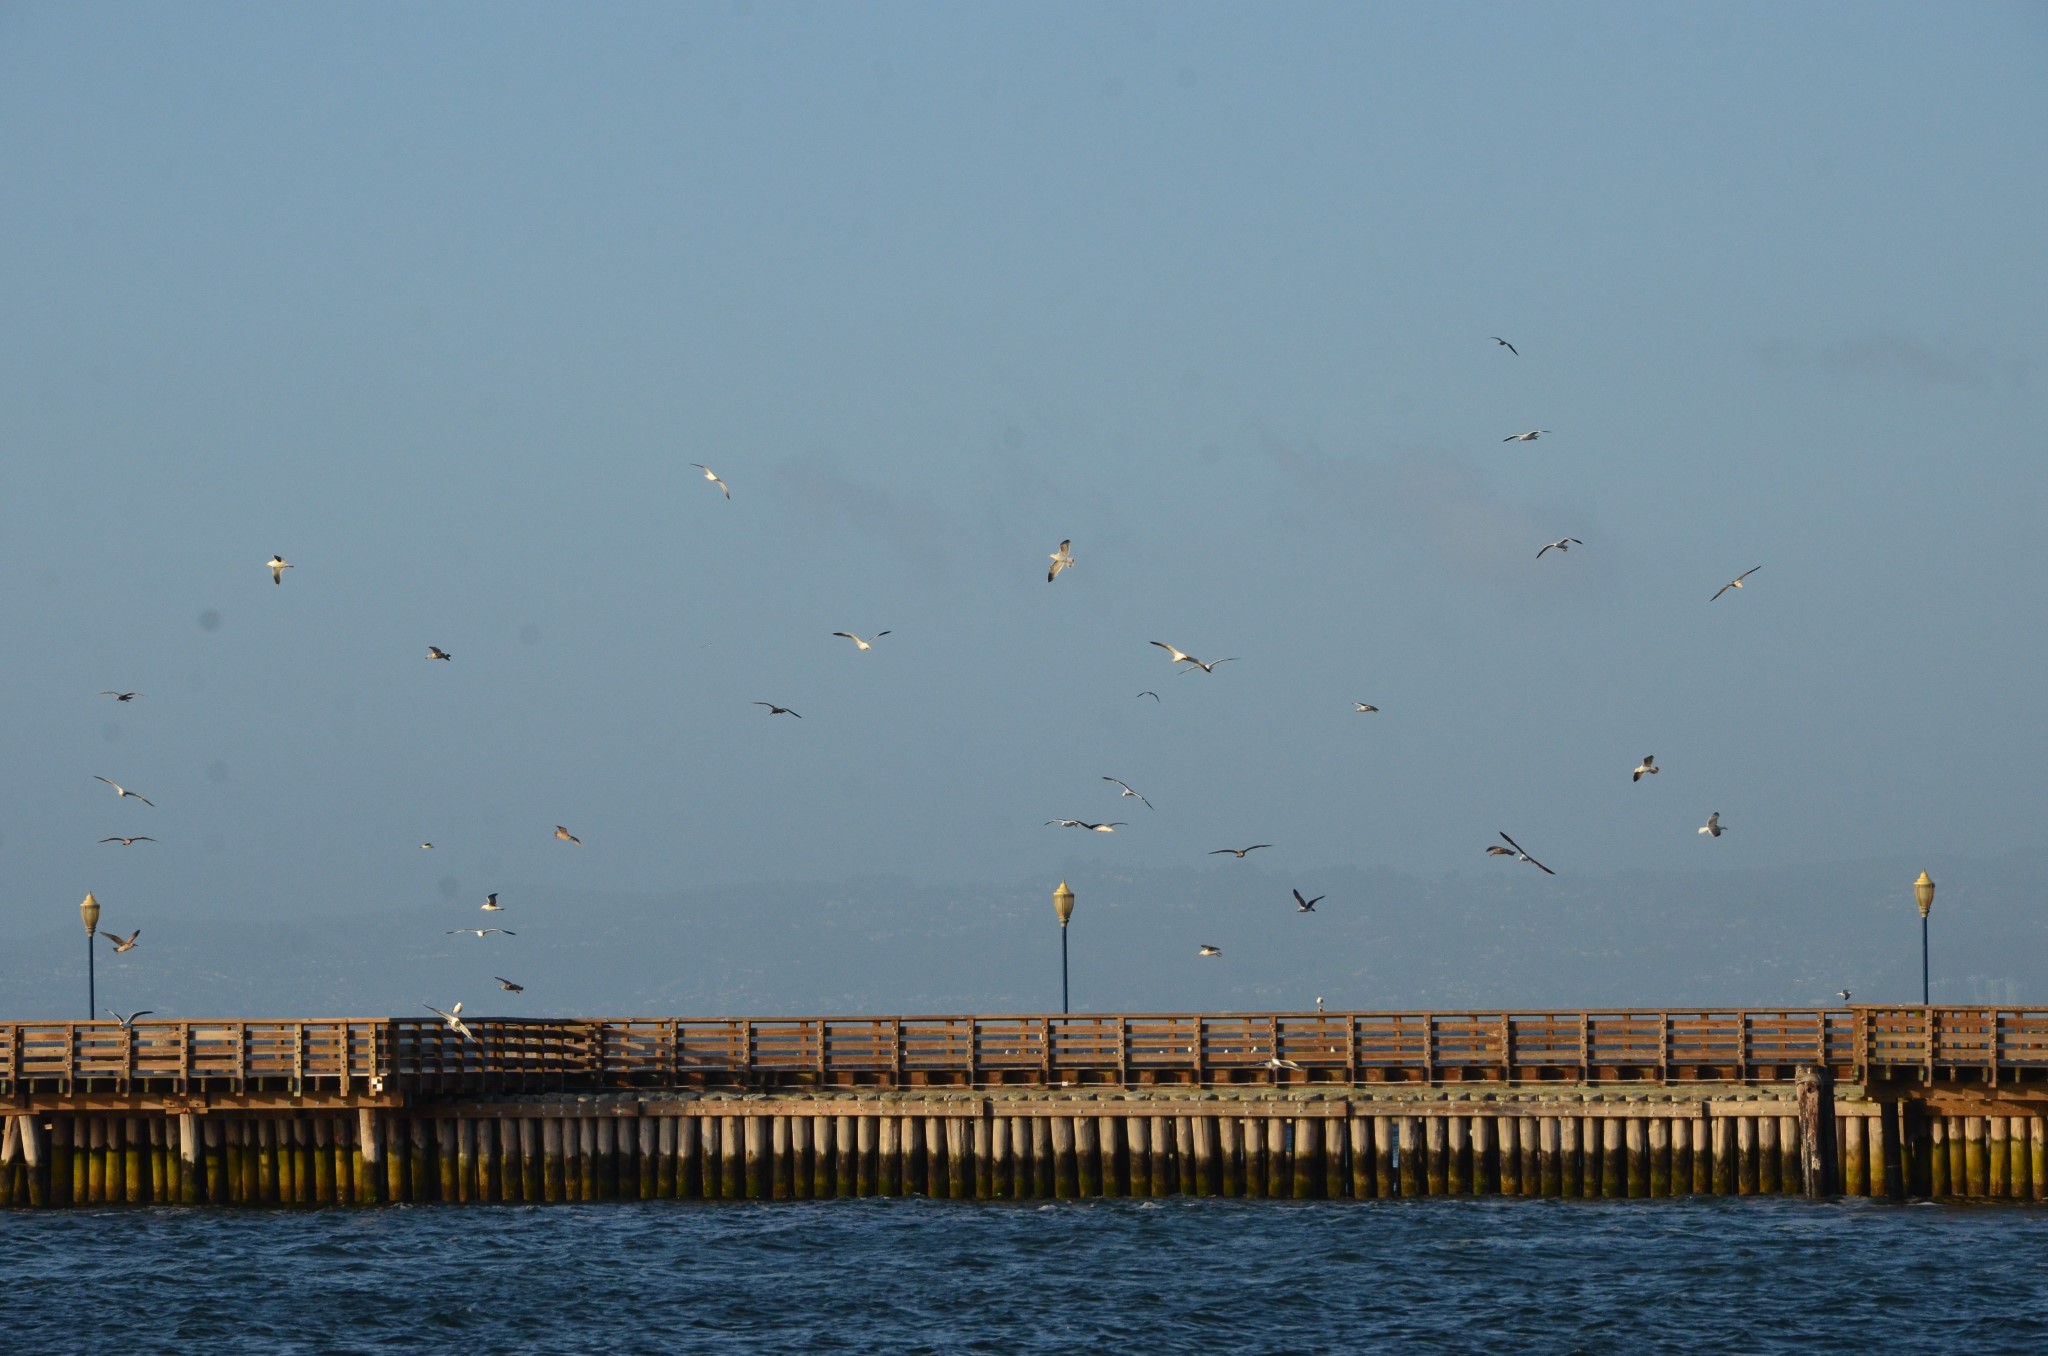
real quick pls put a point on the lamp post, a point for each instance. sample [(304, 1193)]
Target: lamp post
[(1063, 905), (1923, 894), (89, 913)]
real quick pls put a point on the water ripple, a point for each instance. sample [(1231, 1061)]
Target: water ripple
[(919, 1276)]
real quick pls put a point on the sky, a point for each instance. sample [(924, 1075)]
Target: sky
[(441, 304)]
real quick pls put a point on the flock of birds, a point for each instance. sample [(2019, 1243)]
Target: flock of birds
[(1061, 560)]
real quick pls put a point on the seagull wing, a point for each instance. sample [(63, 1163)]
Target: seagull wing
[(1748, 572), (1299, 900), (1539, 554)]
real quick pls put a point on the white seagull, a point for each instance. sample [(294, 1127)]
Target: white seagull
[(453, 1017), (278, 565), (1364, 707), (1531, 436), (1646, 768), (1843, 994), (712, 476), (1110, 827), (1208, 950), (120, 790), (1736, 582), (1712, 828), (121, 943), (128, 1022), (479, 932), (1062, 559), (858, 643), (1182, 657), (491, 904), (567, 836), (1127, 791), (1561, 544), (1275, 1062), (436, 652), (1307, 905)]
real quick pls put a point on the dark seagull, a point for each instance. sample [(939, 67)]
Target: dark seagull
[(775, 710), (1307, 905), (1522, 856), (1239, 852), (1504, 344), (122, 696)]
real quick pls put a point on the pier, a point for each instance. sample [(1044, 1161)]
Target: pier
[(1887, 1102)]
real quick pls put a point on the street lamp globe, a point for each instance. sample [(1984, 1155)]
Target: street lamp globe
[(1923, 893), (1063, 903), (89, 913)]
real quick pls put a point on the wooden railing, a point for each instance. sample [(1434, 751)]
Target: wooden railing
[(407, 1055)]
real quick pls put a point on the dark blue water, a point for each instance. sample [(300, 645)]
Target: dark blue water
[(1138, 1276)]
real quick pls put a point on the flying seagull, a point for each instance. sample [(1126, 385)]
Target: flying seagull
[(427, 847), (1647, 768), (453, 1017), (1362, 706), (858, 643), (1148, 693), (436, 652), (1736, 582), (1561, 544), (120, 790), (1843, 994), (1496, 850), (1208, 950), (130, 842), (123, 943), (1181, 657), (1127, 791), (1239, 852), (122, 697), (712, 476), (1712, 828), (1275, 1062), (508, 986), (479, 932), (775, 710), (1062, 559), (1504, 344), (1522, 856), (567, 836), (128, 1022), (1111, 827), (491, 904), (1308, 905), (278, 565), (1531, 436)]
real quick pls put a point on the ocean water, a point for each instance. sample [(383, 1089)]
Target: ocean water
[(1108, 1276)]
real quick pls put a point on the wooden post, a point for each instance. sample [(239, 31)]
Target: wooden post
[(1184, 1154), (732, 1164), (1362, 1185), (302, 1161), (915, 1164), (1159, 1159), (1526, 1151), (1485, 1161), (1958, 1158), (1087, 1157), (845, 1177), (1458, 1153), (1436, 1167), (1000, 1168), (889, 1156), (1814, 1087), (1789, 1157), (1886, 1178), (1502, 1148), (1638, 1151), (1205, 1156), (1999, 1157), (2037, 1144), (781, 1174), (159, 1184), (1659, 1131), (979, 1143), (1042, 1165), (1279, 1176), (754, 1181), (216, 1161), (1855, 1163), (1064, 1173), (1550, 1156), (533, 1168), (1767, 1160), (63, 1162), (96, 1163), (1138, 1154), (1411, 1156), (1571, 1172), (1937, 1157), (419, 1162), (1385, 1141), (1308, 1156), (2016, 1140), (555, 1172), (266, 1159)]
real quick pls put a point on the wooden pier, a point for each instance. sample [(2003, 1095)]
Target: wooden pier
[(1867, 1101)]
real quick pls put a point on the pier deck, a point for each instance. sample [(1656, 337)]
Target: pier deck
[(1877, 1101)]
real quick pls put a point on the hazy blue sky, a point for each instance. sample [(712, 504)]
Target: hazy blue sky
[(441, 302)]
